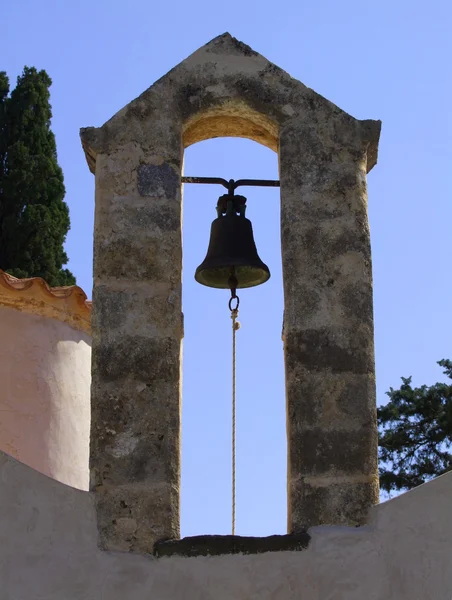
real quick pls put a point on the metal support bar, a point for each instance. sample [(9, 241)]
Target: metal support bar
[(257, 182), (217, 180), (231, 185)]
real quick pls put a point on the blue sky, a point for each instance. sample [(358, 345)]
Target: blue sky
[(388, 60)]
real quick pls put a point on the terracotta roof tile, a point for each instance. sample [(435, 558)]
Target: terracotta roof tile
[(67, 304)]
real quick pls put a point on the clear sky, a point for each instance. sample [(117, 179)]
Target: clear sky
[(387, 60)]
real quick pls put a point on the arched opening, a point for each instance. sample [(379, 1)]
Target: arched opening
[(206, 414), (231, 119)]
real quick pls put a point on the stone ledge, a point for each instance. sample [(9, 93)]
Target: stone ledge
[(216, 545)]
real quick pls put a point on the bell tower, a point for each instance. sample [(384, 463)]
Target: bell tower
[(227, 89)]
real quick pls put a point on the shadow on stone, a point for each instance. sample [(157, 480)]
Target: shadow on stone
[(216, 545)]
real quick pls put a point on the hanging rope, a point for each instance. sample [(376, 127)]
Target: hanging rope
[(235, 328)]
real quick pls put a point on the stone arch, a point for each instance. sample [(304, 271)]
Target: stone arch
[(231, 120), (223, 89)]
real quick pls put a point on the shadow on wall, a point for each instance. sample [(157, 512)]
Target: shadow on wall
[(45, 370)]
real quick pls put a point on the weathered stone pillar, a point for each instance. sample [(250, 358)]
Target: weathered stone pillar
[(328, 323), (137, 332)]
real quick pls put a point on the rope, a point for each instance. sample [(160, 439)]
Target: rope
[(235, 328)]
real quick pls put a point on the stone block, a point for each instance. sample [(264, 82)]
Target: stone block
[(331, 502), (133, 518)]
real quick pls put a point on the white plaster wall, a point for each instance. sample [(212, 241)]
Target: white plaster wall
[(45, 378), (49, 552)]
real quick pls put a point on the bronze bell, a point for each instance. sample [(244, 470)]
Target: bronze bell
[(232, 260)]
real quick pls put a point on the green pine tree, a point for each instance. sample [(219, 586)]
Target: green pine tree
[(34, 219), (416, 433)]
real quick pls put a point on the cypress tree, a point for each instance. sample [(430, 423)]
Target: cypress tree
[(34, 219)]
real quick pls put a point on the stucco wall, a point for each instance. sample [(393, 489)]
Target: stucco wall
[(51, 553), (45, 376)]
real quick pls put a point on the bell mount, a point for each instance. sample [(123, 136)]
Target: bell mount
[(232, 185), (232, 261)]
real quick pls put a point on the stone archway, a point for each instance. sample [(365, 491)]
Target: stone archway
[(225, 89)]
